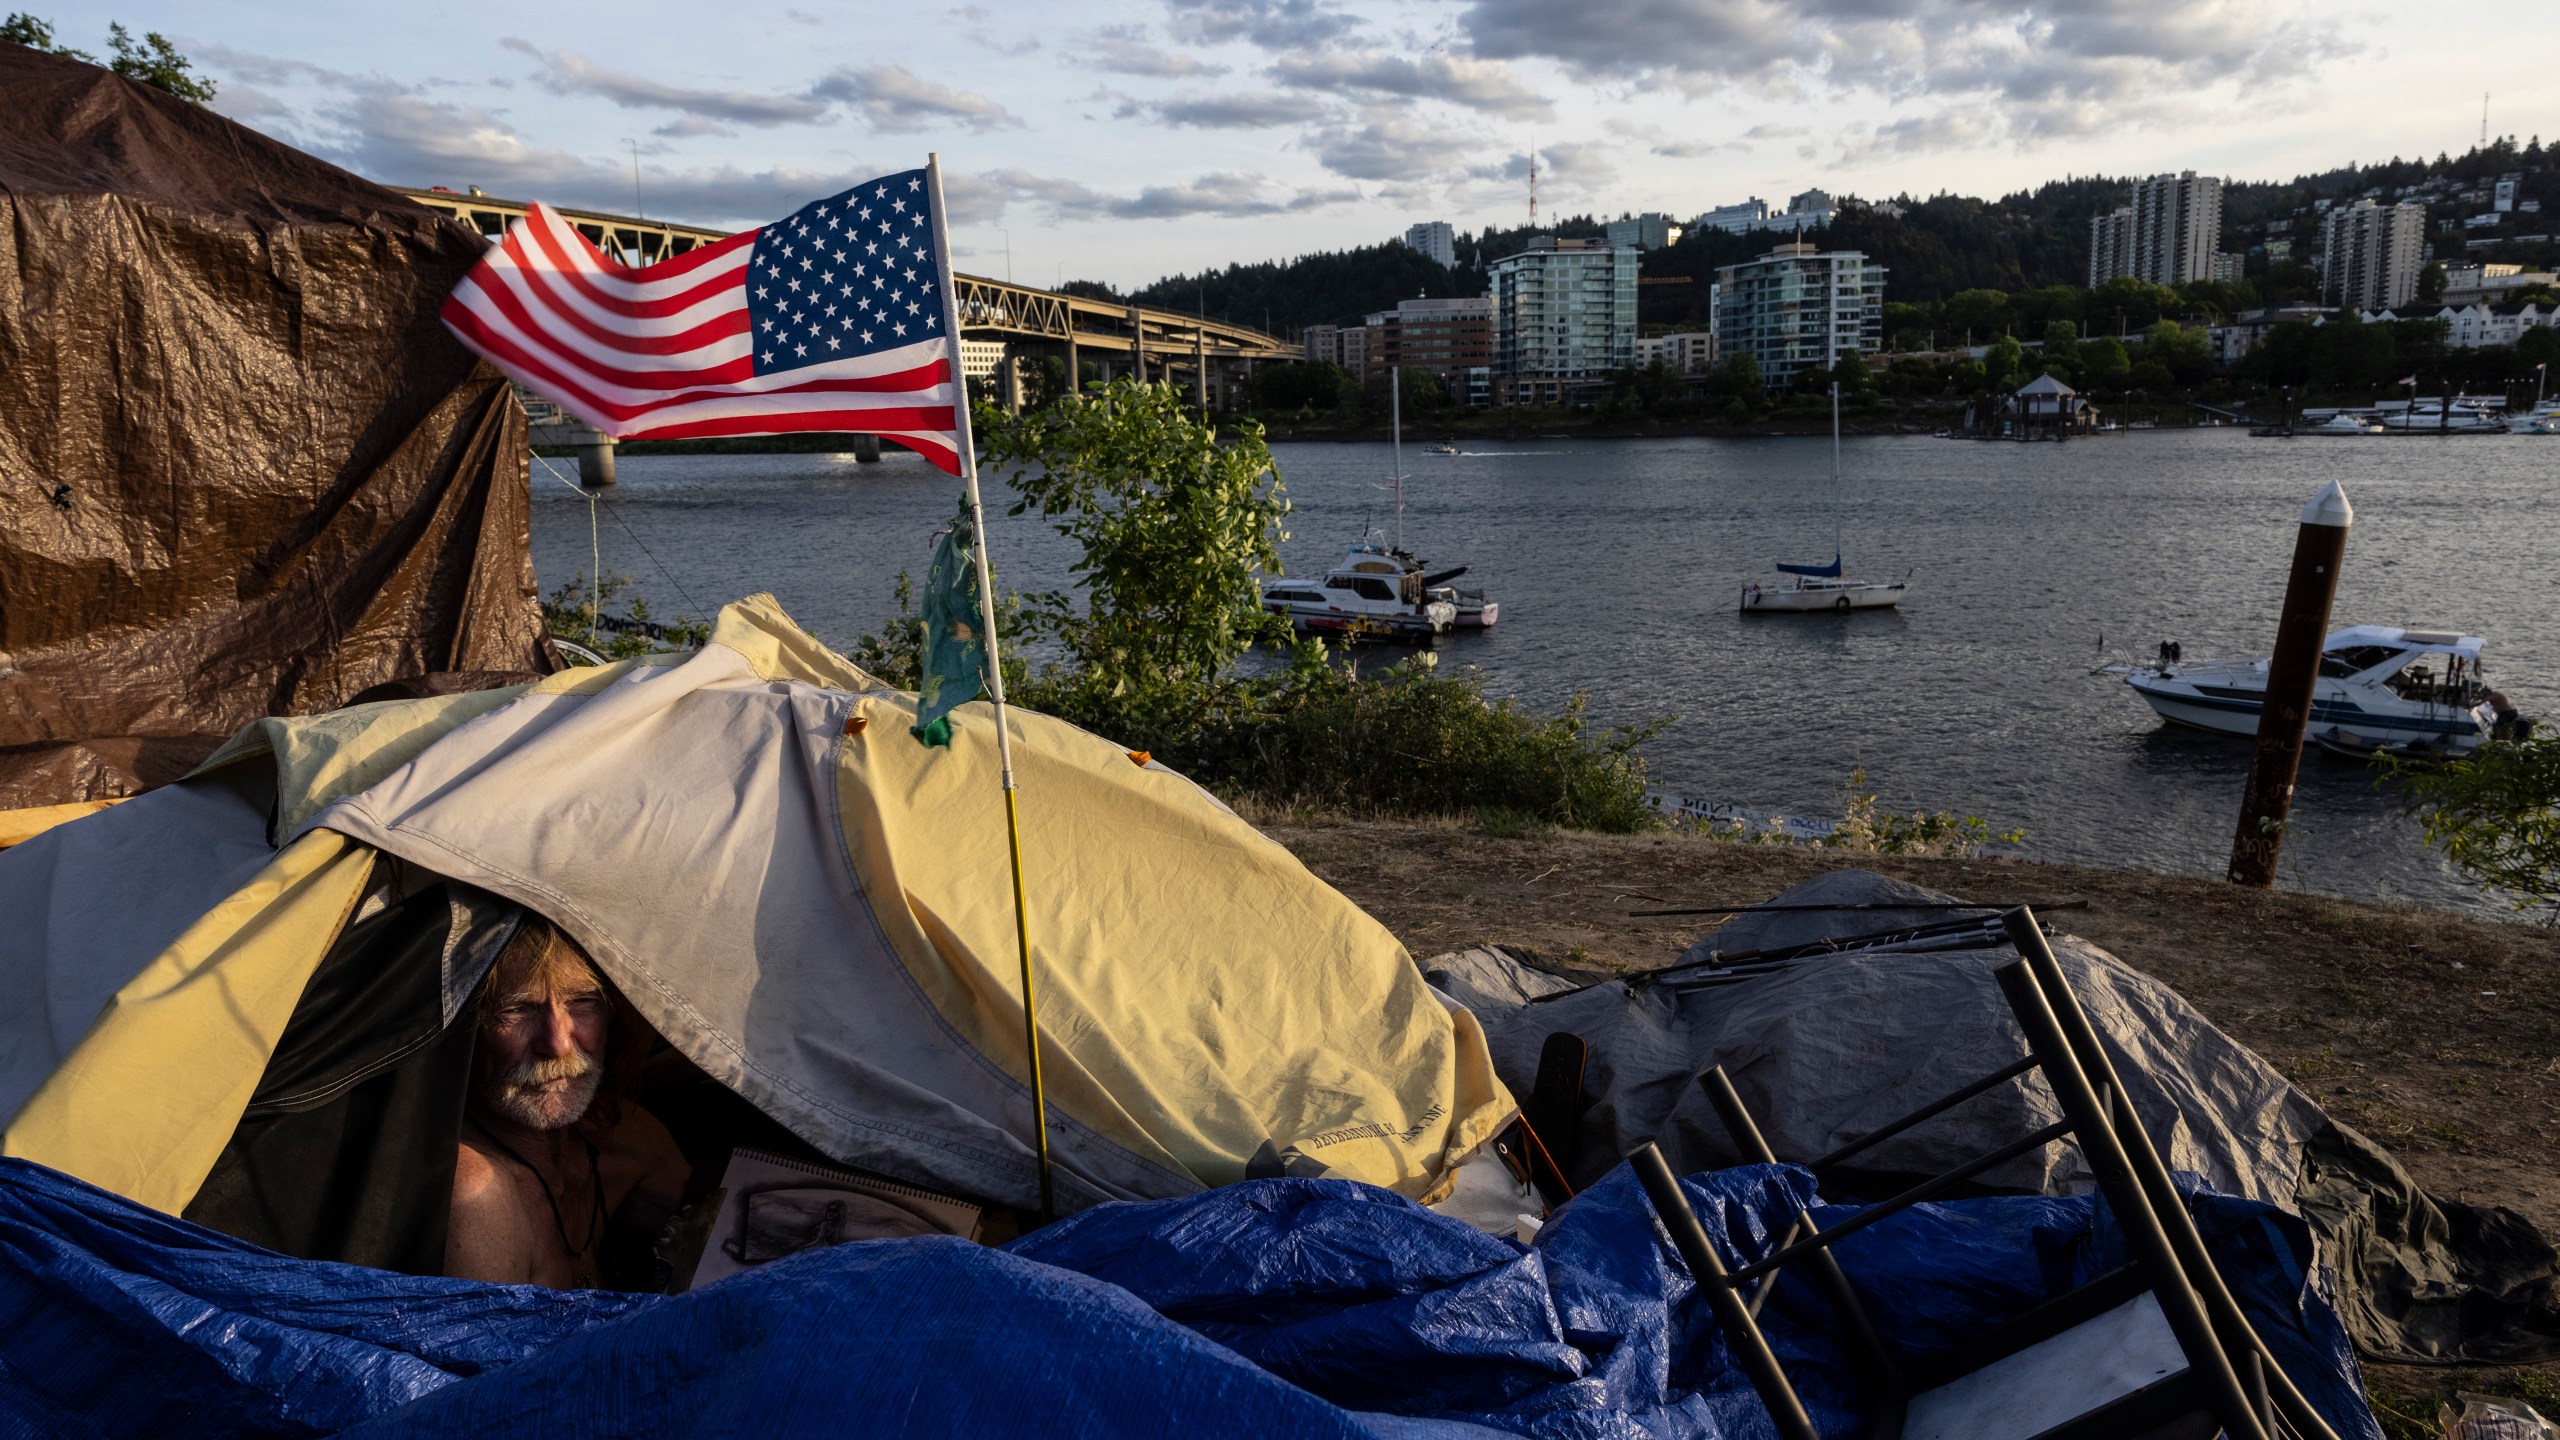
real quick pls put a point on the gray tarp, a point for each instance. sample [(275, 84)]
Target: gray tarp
[(1832, 1048)]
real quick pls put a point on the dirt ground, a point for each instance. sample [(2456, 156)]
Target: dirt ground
[(2437, 1035)]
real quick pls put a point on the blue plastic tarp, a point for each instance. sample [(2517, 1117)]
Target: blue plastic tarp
[(1271, 1308)]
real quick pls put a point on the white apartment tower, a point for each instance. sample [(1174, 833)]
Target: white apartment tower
[(2166, 236), (1797, 307), (1435, 239), (2372, 254)]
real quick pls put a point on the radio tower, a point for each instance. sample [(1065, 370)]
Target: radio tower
[(1533, 182)]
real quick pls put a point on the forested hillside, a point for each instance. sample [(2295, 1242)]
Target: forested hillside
[(1939, 247)]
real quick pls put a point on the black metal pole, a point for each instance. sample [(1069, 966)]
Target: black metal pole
[(1740, 1333), (2293, 674)]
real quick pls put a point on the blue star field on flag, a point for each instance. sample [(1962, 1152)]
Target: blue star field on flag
[(848, 276)]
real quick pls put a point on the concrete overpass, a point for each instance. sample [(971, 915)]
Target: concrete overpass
[(1098, 339)]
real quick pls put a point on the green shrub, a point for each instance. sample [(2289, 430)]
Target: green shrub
[(2496, 815), (583, 615)]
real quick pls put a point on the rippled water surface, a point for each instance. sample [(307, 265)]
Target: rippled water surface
[(1618, 563)]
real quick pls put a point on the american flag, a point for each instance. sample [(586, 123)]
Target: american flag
[(832, 318)]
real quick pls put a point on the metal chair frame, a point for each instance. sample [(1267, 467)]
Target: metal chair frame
[(2250, 1400)]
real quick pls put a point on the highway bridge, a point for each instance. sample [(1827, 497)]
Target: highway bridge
[(1097, 339)]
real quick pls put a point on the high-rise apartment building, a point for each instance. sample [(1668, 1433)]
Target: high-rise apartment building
[(2371, 254), (1435, 239), (2166, 236), (1796, 308), (1651, 231), (1564, 317)]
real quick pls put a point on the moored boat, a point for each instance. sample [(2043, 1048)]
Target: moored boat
[(1821, 588), (2380, 688)]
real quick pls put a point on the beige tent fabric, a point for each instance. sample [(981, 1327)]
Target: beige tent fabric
[(145, 1103), (1198, 986), (19, 826), (321, 757)]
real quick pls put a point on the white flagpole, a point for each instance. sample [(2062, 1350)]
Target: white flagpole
[(995, 675)]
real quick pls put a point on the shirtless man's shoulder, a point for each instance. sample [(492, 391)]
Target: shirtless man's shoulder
[(487, 1237)]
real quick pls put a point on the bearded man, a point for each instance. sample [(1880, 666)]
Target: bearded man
[(550, 1161)]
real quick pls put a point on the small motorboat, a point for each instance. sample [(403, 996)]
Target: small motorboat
[(2344, 423), (2543, 425), (1445, 447), (2380, 689)]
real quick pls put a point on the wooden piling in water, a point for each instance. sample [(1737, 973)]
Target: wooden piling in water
[(2293, 674)]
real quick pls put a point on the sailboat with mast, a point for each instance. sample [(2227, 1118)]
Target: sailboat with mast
[(1380, 590), (1820, 588)]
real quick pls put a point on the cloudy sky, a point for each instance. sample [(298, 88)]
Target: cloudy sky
[(1125, 141)]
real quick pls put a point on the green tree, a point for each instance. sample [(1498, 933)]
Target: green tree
[(2179, 349), (1173, 527), (2496, 815), (1423, 392), (1852, 376), (2060, 336), (151, 60), (1978, 313), (1739, 377), (2104, 365), (2125, 304), (2431, 284), (1301, 384), (2151, 377), (2005, 363)]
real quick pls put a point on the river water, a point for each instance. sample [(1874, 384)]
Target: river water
[(1618, 564)]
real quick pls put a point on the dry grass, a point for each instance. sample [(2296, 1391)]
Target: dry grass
[(2438, 1035)]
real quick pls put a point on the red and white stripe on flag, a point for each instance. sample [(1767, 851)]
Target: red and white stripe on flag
[(667, 351)]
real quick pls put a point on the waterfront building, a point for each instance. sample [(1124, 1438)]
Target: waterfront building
[(1445, 337), (2228, 267), (1564, 318), (1434, 238), (1343, 345), (2469, 327), (1690, 353), (1739, 219), (2169, 235), (979, 358), (2371, 254), (2470, 282), (1798, 308), (1650, 231)]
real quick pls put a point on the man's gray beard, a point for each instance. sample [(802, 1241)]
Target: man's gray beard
[(532, 1095)]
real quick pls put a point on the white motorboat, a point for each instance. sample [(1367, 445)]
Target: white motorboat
[(1445, 447), (2380, 688), (1376, 593), (2442, 422), (2342, 423), (1380, 590), (1822, 588)]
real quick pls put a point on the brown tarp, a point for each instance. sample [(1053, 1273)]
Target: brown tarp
[(244, 470)]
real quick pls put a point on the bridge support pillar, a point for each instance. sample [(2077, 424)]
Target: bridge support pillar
[(1200, 368), (1075, 362), (866, 449), (1137, 346), (595, 461)]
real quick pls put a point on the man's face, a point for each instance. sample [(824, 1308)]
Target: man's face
[(541, 1043)]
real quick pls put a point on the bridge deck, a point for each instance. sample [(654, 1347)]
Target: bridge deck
[(988, 308)]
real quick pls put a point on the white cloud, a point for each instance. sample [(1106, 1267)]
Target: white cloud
[(1485, 85), (893, 99)]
